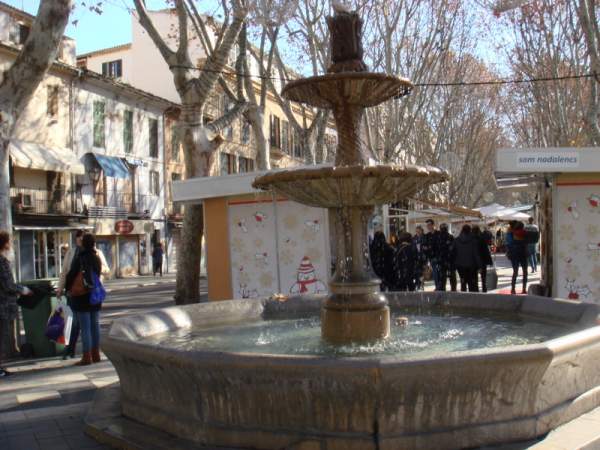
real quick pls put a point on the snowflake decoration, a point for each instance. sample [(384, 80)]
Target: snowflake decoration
[(286, 257), (258, 243), (566, 232), (314, 254), (592, 230), (595, 273), (266, 280), (291, 221), (238, 245), (574, 248)]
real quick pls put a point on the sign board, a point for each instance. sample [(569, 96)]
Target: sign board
[(548, 160), (124, 227)]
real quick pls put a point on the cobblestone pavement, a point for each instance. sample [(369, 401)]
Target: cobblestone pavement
[(43, 405)]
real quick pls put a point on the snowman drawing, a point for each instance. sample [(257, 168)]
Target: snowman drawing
[(572, 209), (575, 292), (306, 280)]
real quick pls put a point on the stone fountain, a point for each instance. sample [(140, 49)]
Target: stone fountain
[(214, 375), (355, 311)]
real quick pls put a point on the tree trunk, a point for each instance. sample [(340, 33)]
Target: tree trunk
[(5, 218), (256, 117), (189, 256)]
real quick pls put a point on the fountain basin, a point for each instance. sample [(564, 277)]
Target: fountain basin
[(336, 187), (463, 399)]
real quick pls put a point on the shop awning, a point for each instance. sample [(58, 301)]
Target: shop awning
[(35, 156), (112, 166)]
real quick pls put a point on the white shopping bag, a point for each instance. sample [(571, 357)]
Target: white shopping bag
[(67, 314)]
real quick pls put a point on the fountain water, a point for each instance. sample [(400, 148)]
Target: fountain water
[(355, 311)]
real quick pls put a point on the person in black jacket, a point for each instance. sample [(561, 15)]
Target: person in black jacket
[(382, 260), (86, 262), (467, 260), (405, 262), (484, 255)]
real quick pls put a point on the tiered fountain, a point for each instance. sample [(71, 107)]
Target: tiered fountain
[(355, 311), (469, 370)]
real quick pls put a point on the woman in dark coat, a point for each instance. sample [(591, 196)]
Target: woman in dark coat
[(484, 254), (87, 262), (420, 259), (467, 260), (382, 260), (9, 291), (518, 254)]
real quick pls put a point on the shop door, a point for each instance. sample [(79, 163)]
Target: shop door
[(128, 256), (105, 245)]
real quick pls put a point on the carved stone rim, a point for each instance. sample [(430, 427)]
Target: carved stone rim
[(434, 174)]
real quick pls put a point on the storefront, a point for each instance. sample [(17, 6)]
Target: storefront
[(568, 181), (126, 245)]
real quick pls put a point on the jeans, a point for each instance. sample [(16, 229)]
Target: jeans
[(70, 349), (516, 262), (531, 249), (439, 276), (90, 329), (483, 273)]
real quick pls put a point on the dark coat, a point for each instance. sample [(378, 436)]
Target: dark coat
[(382, 261), (88, 262), (9, 291), (157, 255), (467, 252), (405, 262), (484, 252)]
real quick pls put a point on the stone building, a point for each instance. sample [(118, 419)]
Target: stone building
[(88, 152)]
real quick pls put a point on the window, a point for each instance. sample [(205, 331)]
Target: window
[(275, 132), (128, 131), (113, 69), (19, 33), (245, 164), (174, 144), (227, 164), (285, 133), (154, 183), (177, 207), (52, 103), (153, 138), (246, 129), (297, 145), (99, 124)]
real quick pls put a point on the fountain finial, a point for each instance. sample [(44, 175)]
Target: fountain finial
[(345, 29)]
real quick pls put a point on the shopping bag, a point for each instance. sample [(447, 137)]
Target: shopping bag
[(427, 273), (58, 328), (491, 278)]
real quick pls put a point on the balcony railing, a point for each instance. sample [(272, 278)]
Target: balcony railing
[(123, 204), (40, 201)]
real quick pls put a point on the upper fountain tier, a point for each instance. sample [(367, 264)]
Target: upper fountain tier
[(347, 89)]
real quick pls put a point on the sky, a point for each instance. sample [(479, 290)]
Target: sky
[(94, 31)]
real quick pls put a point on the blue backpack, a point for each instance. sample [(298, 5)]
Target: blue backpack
[(98, 293)]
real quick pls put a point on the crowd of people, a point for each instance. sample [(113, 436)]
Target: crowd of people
[(405, 261)]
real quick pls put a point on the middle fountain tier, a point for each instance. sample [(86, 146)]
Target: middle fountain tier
[(355, 310)]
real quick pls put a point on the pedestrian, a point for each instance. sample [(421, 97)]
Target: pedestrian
[(430, 250), (445, 255), (382, 260), (9, 291), (85, 264), (532, 235), (404, 264), (517, 253), (467, 260), (484, 254), (420, 259), (69, 351), (157, 259)]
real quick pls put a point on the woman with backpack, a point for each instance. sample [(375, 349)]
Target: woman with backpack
[(82, 279)]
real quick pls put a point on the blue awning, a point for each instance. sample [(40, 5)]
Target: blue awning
[(110, 165)]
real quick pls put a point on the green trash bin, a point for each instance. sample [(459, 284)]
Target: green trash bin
[(36, 310)]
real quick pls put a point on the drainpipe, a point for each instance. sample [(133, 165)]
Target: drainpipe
[(166, 194)]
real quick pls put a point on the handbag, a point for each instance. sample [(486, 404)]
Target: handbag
[(79, 287), (98, 293)]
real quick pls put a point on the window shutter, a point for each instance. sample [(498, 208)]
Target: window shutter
[(99, 125)]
